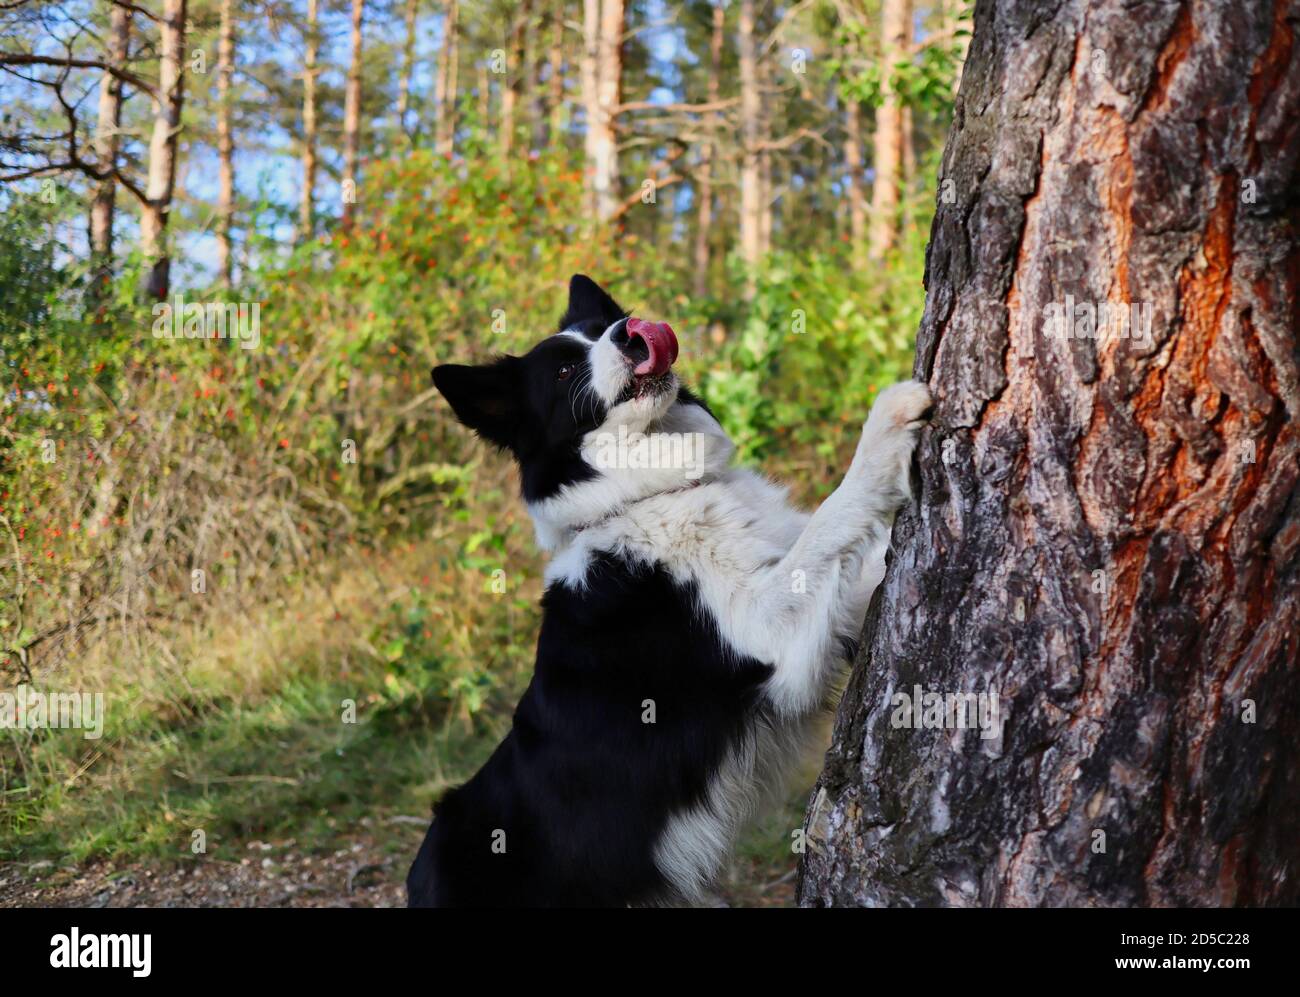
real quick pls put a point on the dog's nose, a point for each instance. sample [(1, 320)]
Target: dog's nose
[(632, 347)]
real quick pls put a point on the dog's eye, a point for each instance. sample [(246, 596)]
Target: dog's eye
[(564, 373)]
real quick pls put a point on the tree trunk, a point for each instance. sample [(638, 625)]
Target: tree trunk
[(107, 141), (853, 163), (352, 117), (311, 47), (751, 109), (161, 180), (590, 91), (453, 82), (1107, 536), (556, 118), (225, 142), (408, 66), (907, 141), (516, 72), (895, 21), (704, 178), (908, 158), (537, 58), (767, 202), (444, 121), (602, 80)]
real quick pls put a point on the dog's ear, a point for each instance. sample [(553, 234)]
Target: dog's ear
[(588, 301), (486, 398)]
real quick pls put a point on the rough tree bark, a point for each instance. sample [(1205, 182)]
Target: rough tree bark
[(225, 142), (161, 180), (107, 141), (311, 48), (352, 117), (895, 19), (1107, 533)]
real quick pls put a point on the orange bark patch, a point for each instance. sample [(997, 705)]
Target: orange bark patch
[(1205, 293), (1268, 71), (1171, 57)]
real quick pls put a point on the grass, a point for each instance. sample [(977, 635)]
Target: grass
[(251, 740), (296, 719), (287, 767)]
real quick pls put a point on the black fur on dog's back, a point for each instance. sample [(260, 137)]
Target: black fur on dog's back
[(583, 787)]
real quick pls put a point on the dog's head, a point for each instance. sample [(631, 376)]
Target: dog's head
[(603, 374)]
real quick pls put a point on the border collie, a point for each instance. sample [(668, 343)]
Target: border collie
[(693, 622)]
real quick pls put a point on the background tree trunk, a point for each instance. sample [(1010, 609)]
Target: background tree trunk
[(444, 122), (484, 100), (1107, 533), (352, 117), (602, 79), (895, 21), (590, 79), (161, 180), (225, 142), (853, 174), (557, 119), (516, 75), (767, 201), (107, 141), (751, 109), (408, 65), (311, 47), (907, 140), (708, 150)]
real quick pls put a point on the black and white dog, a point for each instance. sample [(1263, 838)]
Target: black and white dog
[(692, 623)]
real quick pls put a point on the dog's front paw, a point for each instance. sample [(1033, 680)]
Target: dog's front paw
[(901, 407), (889, 436)]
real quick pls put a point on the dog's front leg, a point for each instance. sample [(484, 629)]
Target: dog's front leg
[(817, 594)]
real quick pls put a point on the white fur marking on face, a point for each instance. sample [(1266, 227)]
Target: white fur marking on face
[(610, 370), (575, 334)]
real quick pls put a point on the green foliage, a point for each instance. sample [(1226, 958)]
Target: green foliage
[(818, 341), (923, 82), (29, 273)]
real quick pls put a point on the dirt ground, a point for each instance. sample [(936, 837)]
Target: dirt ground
[(360, 876), (269, 877)]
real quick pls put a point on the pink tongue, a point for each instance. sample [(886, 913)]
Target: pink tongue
[(659, 340)]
